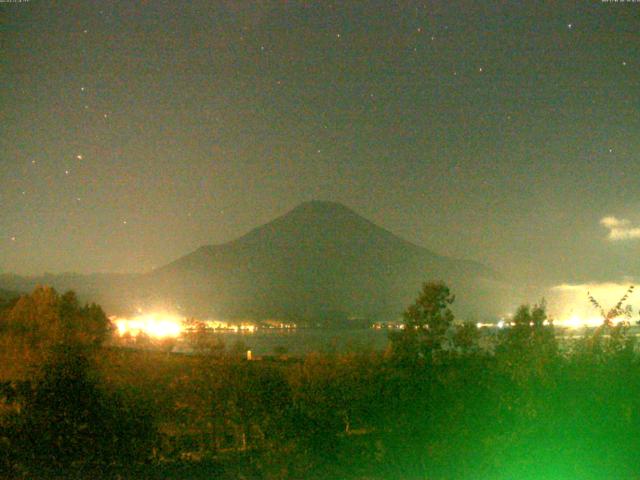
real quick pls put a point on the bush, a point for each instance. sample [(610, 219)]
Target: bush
[(68, 422)]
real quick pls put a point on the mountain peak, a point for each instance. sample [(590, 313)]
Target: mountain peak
[(318, 260), (322, 218), (321, 207)]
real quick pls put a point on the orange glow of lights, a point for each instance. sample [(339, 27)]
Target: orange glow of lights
[(577, 321), (157, 325)]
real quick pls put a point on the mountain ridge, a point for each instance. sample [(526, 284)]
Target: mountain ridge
[(317, 248), (319, 262)]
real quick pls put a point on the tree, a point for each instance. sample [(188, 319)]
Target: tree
[(39, 323), (65, 418), (45, 318), (527, 346), (618, 310), (426, 324), (84, 325), (466, 337), (68, 421), (610, 337)]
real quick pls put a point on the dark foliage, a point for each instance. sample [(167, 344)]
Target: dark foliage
[(68, 421), (435, 406)]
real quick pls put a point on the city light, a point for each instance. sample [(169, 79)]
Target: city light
[(157, 325), (168, 325), (578, 321)]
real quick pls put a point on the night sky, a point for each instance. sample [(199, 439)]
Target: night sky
[(504, 132)]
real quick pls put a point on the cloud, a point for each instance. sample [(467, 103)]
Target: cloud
[(620, 229)]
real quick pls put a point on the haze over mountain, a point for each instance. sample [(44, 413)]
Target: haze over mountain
[(318, 263)]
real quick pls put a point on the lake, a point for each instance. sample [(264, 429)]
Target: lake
[(300, 341)]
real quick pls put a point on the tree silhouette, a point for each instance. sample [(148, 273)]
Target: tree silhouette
[(599, 344), (528, 345), (68, 421), (426, 324)]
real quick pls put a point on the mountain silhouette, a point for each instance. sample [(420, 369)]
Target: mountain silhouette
[(319, 263)]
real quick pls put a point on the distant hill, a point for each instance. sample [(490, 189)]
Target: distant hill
[(319, 263)]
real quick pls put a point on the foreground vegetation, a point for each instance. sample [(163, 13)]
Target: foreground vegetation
[(433, 406)]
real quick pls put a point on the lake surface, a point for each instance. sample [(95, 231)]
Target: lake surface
[(302, 341)]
